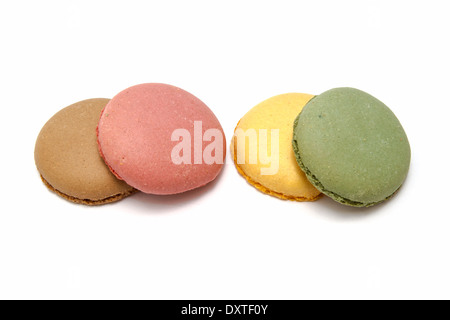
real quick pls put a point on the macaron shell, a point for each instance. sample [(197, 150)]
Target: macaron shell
[(135, 138), (289, 183), (68, 160), (352, 147)]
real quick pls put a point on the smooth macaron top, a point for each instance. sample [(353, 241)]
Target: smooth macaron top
[(68, 160), (141, 130), (351, 147), (270, 123)]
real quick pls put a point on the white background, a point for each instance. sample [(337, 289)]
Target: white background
[(225, 241)]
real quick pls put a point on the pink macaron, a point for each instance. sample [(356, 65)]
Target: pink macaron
[(161, 139)]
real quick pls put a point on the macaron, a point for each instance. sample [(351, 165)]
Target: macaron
[(262, 149), (161, 139), (68, 160), (351, 147)]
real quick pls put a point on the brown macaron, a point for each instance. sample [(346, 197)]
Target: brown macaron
[(68, 160)]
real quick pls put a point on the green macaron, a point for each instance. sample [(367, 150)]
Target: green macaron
[(352, 147)]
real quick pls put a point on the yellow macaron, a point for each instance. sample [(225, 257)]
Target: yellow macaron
[(262, 148)]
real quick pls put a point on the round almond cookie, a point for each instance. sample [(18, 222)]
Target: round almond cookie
[(68, 160), (351, 147), (161, 139), (262, 149)]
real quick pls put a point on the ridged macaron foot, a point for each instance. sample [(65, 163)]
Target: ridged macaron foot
[(68, 160), (352, 147), (262, 149)]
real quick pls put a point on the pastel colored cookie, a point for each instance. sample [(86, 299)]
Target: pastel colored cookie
[(351, 147), (68, 160), (262, 149), (161, 139)]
